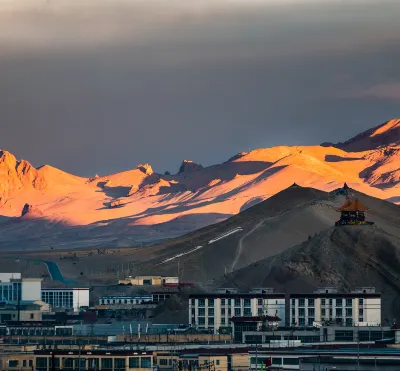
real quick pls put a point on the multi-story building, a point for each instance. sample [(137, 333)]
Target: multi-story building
[(72, 298), (361, 307), (149, 281), (215, 310), (124, 299), (15, 288)]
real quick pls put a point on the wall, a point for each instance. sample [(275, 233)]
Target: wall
[(23, 362), (220, 362), (5, 277), (80, 298), (31, 289)]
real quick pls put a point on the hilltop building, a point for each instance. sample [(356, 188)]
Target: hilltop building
[(150, 281), (215, 310), (352, 213), (361, 307), (72, 298), (14, 288)]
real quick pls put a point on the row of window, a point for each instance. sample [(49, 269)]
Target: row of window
[(106, 363), (324, 302), (236, 302), (339, 312)]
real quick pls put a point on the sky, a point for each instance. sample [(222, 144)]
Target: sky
[(102, 86)]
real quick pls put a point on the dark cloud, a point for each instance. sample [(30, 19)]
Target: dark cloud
[(101, 89)]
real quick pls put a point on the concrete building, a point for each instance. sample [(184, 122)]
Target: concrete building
[(24, 311), (149, 281), (14, 288), (124, 299), (361, 307), (72, 298), (215, 310), (112, 360)]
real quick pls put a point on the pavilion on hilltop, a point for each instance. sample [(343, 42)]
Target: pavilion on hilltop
[(352, 213)]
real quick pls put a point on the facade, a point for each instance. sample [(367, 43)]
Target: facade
[(149, 281), (361, 307), (215, 310), (25, 311), (122, 299), (14, 288), (66, 298), (16, 361), (110, 360)]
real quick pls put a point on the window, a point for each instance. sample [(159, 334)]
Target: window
[(222, 321), (247, 302), (260, 311), (193, 302), (260, 301), (311, 302), (145, 362), (349, 302), (107, 363), (223, 312), (93, 363), (302, 302), (202, 321), (211, 321), (311, 321), (302, 312), (323, 312), (293, 312), (119, 364), (24, 363), (134, 362), (361, 312), (163, 362), (311, 312), (13, 363), (330, 313), (360, 302), (301, 322), (237, 303), (211, 302), (202, 302), (222, 301), (339, 303), (349, 312), (210, 312), (32, 316), (238, 312), (322, 301), (41, 363), (293, 302), (202, 311), (339, 312), (247, 312), (330, 302), (217, 362)]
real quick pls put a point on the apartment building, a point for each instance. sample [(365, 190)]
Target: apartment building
[(215, 310), (361, 307), (125, 299)]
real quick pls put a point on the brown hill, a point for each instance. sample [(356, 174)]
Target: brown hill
[(344, 257)]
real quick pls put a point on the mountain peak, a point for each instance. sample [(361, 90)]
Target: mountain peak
[(386, 134), (146, 169), (189, 165)]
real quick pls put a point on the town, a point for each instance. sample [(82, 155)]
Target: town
[(72, 328)]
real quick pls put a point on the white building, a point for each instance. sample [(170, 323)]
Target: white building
[(215, 310), (123, 299), (15, 288), (361, 307), (68, 298)]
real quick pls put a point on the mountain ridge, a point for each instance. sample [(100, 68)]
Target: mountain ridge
[(143, 206)]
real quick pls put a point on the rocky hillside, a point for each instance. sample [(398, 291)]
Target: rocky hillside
[(343, 257)]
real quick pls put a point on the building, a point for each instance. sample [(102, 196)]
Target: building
[(361, 307), (111, 360), (258, 323), (14, 288), (352, 213), (215, 310), (22, 361), (22, 311), (149, 281), (71, 298), (123, 299)]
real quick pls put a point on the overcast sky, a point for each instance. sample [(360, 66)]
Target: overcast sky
[(101, 86)]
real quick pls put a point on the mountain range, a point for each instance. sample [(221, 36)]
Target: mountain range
[(47, 208)]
